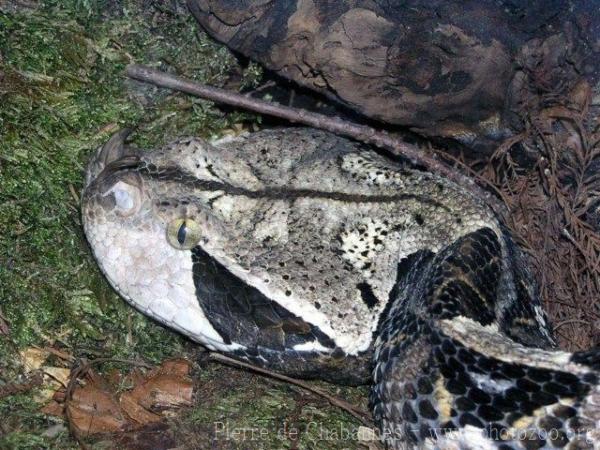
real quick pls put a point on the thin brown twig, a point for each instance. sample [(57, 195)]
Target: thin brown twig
[(354, 411), (336, 125), (509, 143), (570, 321)]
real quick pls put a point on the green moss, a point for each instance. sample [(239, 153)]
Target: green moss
[(21, 415), (67, 90), (238, 410), (63, 93)]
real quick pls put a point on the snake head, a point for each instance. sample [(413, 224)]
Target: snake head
[(141, 224)]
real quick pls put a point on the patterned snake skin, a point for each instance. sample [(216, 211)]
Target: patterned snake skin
[(316, 256)]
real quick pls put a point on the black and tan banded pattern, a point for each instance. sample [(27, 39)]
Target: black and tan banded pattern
[(433, 387)]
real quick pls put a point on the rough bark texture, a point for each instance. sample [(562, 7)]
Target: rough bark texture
[(467, 70)]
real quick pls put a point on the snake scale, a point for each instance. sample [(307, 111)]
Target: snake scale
[(320, 257)]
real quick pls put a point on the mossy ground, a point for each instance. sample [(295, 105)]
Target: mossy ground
[(62, 93)]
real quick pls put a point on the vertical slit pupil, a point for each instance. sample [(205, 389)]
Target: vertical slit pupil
[(181, 233)]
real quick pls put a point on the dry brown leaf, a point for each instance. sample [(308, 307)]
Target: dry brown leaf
[(58, 374), (92, 409), (167, 391), (54, 408), (33, 358), (176, 366), (55, 379), (59, 396), (165, 387), (130, 404)]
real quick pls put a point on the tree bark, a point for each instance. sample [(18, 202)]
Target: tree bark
[(469, 70)]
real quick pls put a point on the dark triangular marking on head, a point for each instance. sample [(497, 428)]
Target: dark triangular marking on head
[(241, 313)]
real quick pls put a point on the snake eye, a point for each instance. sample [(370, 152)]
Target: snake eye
[(183, 234)]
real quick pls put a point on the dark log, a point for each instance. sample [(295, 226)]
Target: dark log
[(469, 70)]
